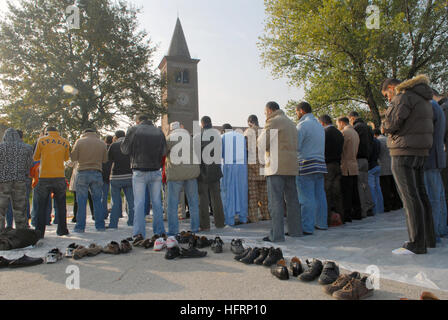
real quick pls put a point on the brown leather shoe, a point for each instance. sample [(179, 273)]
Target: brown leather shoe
[(112, 248), (94, 250), (340, 282), (80, 252), (354, 290)]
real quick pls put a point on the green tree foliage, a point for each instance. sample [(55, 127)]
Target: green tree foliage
[(107, 60), (326, 47)]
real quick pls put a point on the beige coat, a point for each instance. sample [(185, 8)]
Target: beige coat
[(90, 152), (286, 163), (183, 171), (349, 164)]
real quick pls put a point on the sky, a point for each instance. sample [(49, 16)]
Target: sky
[(223, 34)]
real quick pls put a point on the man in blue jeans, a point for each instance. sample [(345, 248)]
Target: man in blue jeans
[(90, 152), (146, 146), (181, 173), (312, 167), (121, 179)]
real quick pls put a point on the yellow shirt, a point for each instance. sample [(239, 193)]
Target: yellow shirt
[(52, 151)]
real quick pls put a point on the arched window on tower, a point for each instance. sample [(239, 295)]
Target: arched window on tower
[(179, 77), (186, 77)]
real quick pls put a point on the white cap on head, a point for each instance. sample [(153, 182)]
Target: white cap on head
[(174, 125)]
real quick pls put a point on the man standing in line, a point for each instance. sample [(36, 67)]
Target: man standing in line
[(258, 193), (365, 145), (409, 123), (350, 171), (281, 170), (90, 152), (334, 144), (312, 168), (106, 170), (52, 151), (146, 146), (120, 180), (16, 159)]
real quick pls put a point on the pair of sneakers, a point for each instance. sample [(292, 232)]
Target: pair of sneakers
[(169, 243)]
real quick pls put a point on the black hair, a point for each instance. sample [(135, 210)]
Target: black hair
[(109, 139), (377, 132), (226, 127), (206, 121), (326, 119), (51, 129), (273, 106), (142, 117), (20, 132), (120, 134), (305, 106), (344, 119), (253, 119), (390, 82), (89, 130), (354, 114)]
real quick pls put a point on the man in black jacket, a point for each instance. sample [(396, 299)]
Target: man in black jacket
[(334, 144), (120, 180), (209, 181), (146, 146), (365, 144)]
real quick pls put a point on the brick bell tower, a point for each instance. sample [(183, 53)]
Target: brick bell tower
[(180, 71)]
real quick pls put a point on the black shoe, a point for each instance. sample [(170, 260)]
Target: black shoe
[(281, 272), (274, 256), (25, 261), (251, 256), (172, 253), (203, 242), (236, 246), (313, 272), (263, 255), (64, 233), (411, 247), (330, 273), (296, 267), (192, 253), (370, 213), (125, 246), (138, 240), (267, 239), (217, 245), (4, 263), (238, 257), (307, 233), (73, 220)]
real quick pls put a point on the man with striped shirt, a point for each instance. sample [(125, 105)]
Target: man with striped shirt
[(312, 167)]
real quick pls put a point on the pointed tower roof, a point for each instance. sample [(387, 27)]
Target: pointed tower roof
[(178, 46)]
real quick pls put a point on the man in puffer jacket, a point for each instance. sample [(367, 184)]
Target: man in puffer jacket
[(16, 159), (409, 124)]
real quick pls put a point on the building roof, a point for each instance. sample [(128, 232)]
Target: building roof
[(178, 46)]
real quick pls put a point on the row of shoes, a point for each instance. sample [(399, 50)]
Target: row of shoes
[(339, 286), (21, 262), (188, 237), (260, 256), (78, 251)]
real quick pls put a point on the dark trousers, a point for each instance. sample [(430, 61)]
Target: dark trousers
[(445, 185), (409, 174), (391, 197), (43, 191), (214, 190), (350, 198), (281, 190), (333, 190)]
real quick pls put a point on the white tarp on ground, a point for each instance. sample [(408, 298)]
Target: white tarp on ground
[(354, 246)]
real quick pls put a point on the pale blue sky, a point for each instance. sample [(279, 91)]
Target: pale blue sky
[(223, 34)]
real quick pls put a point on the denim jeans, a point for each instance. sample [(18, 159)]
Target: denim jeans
[(140, 180), (85, 181), (42, 195), (313, 201), (104, 198), (174, 191), (436, 194), (147, 202), (375, 188), (117, 206), (283, 189)]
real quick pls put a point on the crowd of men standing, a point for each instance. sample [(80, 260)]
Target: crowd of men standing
[(326, 174)]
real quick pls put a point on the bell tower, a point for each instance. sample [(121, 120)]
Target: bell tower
[(180, 72)]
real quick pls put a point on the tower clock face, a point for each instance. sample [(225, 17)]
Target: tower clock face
[(183, 99)]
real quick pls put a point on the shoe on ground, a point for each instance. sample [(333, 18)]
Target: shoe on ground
[(236, 246), (25, 261), (70, 249), (274, 256), (428, 296), (267, 239), (64, 233), (238, 257), (53, 256), (251, 256), (313, 272), (330, 273), (160, 244), (296, 267), (217, 245), (171, 242), (94, 250), (138, 240), (112, 248), (280, 271), (125, 246), (411, 247), (341, 282), (355, 289), (80, 252), (192, 253), (203, 242), (4, 263), (263, 255), (172, 253)]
